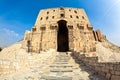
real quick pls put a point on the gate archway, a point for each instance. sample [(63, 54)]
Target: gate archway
[(62, 37)]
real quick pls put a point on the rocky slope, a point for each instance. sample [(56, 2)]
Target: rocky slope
[(10, 51), (107, 52)]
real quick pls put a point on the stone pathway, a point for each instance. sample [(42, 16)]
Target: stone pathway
[(63, 67)]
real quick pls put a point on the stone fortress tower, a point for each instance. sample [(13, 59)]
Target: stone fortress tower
[(62, 29)]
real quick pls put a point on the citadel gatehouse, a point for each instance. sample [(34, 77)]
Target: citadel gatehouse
[(62, 29)]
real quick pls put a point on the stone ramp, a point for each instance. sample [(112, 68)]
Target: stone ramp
[(56, 78), (9, 52), (63, 67)]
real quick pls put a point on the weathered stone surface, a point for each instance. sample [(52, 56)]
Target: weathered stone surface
[(56, 78), (114, 77), (77, 31)]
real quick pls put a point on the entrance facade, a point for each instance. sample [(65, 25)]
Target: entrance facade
[(62, 37)]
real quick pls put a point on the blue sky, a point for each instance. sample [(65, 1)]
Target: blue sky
[(16, 16)]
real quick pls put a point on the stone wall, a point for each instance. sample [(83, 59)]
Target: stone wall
[(110, 70), (7, 67), (44, 33), (13, 60)]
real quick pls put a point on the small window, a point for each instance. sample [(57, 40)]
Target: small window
[(41, 18), (28, 43), (75, 11), (46, 17), (53, 27), (83, 17), (53, 17), (47, 12), (77, 17), (70, 27), (62, 15), (81, 27), (70, 16), (33, 29), (69, 9), (42, 28), (53, 10)]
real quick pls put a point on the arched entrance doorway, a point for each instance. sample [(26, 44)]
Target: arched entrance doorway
[(62, 37)]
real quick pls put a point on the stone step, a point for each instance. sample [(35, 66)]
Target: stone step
[(62, 53), (61, 70), (56, 78), (60, 65), (61, 60), (62, 56), (77, 61)]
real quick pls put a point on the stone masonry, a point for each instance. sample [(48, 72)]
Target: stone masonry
[(110, 70), (62, 29)]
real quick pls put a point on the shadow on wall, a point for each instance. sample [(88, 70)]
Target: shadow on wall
[(111, 71)]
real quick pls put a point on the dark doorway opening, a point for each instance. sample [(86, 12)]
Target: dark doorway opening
[(62, 37)]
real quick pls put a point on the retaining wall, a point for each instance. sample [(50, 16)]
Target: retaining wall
[(109, 69)]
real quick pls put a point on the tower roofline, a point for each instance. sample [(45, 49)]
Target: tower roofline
[(62, 7)]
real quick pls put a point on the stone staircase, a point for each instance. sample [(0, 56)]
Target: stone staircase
[(59, 67), (65, 67), (62, 67), (61, 64)]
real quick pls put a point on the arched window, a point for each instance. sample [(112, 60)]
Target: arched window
[(83, 17), (77, 17), (46, 17), (41, 18), (53, 17), (75, 11), (61, 8), (62, 15), (70, 16), (47, 12)]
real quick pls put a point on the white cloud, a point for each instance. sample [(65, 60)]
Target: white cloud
[(8, 37), (10, 32)]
